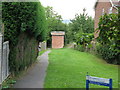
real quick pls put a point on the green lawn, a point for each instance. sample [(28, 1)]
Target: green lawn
[(67, 69), (41, 52)]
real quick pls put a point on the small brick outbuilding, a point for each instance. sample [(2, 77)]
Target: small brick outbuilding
[(57, 39)]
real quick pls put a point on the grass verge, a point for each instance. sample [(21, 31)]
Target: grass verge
[(41, 52), (67, 69), (9, 82)]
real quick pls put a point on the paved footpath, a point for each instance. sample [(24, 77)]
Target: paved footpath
[(35, 76)]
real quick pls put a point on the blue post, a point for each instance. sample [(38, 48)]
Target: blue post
[(87, 84), (110, 84)]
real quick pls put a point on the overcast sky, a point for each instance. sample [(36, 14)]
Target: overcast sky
[(68, 8)]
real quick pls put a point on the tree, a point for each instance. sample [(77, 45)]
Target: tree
[(54, 22), (82, 23)]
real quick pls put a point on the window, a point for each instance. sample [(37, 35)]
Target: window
[(103, 11), (110, 10)]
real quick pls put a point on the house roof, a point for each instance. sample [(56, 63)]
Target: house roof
[(114, 3), (57, 33)]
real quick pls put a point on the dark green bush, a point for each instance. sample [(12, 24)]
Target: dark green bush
[(109, 38), (108, 54), (80, 48)]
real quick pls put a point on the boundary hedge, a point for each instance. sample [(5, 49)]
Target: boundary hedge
[(22, 17)]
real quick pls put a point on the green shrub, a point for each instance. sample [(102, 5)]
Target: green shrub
[(80, 48), (109, 55), (109, 38), (83, 41)]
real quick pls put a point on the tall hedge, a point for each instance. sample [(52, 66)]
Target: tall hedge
[(22, 17)]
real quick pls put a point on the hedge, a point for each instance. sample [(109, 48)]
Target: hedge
[(22, 17)]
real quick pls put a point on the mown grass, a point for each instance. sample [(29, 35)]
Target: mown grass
[(41, 52), (67, 69)]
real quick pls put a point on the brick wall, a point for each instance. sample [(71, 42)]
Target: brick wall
[(57, 39)]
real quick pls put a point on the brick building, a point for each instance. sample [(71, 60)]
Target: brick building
[(102, 7), (57, 39)]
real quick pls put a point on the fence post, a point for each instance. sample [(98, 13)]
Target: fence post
[(87, 82), (0, 60), (110, 81), (8, 58)]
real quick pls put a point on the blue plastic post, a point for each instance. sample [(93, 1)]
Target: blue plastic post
[(110, 85), (87, 84)]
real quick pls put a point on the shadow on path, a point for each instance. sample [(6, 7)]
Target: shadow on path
[(34, 78)]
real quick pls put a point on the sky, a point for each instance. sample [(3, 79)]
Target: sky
[(68, 8)]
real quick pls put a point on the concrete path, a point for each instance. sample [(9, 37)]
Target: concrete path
[(35, 76)]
